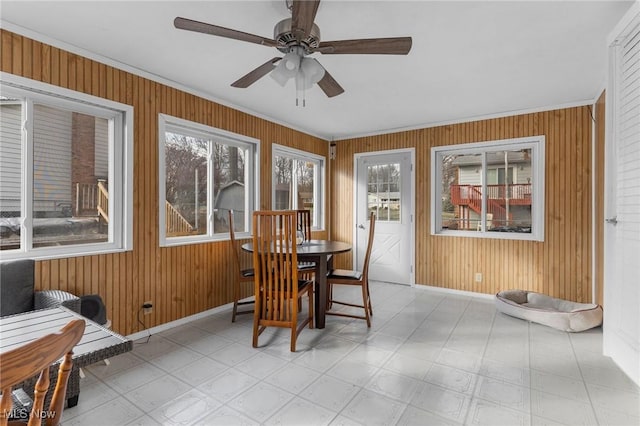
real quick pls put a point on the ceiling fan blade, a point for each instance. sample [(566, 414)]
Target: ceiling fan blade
[(329, 85), (374, 46), (302, 16), (201, 27), (255, 75)]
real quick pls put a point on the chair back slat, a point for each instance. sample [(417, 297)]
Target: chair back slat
[(367, 256), (304, 223), (35, 358), (275, 252)]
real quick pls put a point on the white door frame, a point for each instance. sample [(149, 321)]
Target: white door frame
[(412, 208)]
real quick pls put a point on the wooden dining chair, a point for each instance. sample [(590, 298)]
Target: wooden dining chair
[(304, 223), (304, 226), (278, 291), (36, 357), (244, 276), (353, 278)]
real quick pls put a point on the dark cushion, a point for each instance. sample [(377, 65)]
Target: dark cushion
[(92, 307), (16, 286), (344, 274)]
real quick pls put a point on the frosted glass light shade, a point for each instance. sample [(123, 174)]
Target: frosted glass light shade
[(312, 70), (287, 68)]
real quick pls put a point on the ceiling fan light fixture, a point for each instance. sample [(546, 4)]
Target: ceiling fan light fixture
[(312, 70), (279, 74), (296, 37), (291, 62)]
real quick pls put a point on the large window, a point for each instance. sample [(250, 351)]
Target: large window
[(489, 189), (65, 172), (298, 182), (204, 174)]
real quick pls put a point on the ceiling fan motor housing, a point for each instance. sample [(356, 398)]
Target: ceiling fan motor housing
[(284, 37)]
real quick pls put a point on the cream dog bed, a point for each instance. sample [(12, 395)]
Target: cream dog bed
[(557, 313)]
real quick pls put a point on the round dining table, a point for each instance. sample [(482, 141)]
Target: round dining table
[(317, 251)]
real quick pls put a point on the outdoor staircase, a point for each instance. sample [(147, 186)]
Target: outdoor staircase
[(493, 207)]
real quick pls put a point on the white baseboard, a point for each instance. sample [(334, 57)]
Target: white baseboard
[(171, 324), (455, 292)]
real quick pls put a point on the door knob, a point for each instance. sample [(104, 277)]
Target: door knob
[(361, 226)]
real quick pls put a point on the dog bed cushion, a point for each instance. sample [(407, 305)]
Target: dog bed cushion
[(542, 309)]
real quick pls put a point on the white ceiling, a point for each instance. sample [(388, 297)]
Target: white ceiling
[(469, 59)]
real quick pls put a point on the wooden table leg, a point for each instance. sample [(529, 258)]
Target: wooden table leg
[(320, 290)]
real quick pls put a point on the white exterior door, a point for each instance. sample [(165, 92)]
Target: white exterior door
[(385, 186), (621, 335)]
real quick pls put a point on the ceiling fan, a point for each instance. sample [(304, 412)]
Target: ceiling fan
[(298, 37)]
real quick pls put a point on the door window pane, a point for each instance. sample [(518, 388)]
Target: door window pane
[(383, 193)]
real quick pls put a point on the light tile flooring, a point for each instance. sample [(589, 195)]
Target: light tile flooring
[(429, 358)]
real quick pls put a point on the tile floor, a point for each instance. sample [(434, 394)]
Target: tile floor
[(430, 358)]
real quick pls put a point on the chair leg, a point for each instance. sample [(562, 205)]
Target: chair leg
[(369, 299), (310, 309), (294, 335), (255, 327), (365, 304), (294, 321), (236, 295)]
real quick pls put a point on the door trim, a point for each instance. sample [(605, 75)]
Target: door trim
[(412, 210)]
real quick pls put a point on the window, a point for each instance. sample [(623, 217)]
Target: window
[(204, 173), (383, 192), (298, 182), (65, 172), (489, 189)]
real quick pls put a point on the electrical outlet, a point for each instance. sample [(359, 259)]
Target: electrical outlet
[(478, 277), (147, 307)]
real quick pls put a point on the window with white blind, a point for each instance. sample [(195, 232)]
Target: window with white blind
[(66, 172)]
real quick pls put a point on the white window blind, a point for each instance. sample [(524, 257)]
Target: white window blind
[(627, 123)]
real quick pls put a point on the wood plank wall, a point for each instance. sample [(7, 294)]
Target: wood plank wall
[(560, 266), (599, 167), (185, 280), (180, 281)]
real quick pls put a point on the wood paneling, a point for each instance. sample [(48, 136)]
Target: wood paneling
[(180, 281), (185, 280), (560, 266)]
